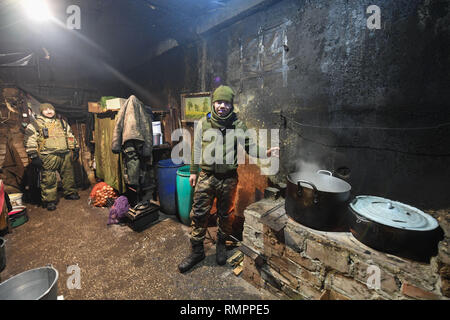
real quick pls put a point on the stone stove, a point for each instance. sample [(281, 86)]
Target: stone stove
[(296, 262)]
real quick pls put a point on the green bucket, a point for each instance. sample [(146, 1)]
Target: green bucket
[(185, 194), (18, 216)]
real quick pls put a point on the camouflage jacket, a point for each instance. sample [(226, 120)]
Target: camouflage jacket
[(208, 140), (60, 137)]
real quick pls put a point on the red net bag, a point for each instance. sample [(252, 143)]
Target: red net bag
[(101, 193)]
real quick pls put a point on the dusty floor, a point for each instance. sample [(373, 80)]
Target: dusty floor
[(115, 261)]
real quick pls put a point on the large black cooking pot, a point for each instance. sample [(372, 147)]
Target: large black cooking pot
[(394, 227), (317, 200)]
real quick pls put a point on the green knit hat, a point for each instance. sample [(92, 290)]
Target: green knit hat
[(46, 106), (223, 93)]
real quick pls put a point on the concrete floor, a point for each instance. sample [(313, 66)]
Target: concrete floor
[(115, 261)]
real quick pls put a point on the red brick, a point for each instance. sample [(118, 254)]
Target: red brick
[(294, 239), (445, 287), (329, 256), (251, 273), (387, 282), (303, 261), (277, 262), (271, 234), (248, 276), (444, 252), (295, 270), (349, 287), (417, 293), (273, 277), (253, 238), (252, 278), (337, 296), (273, 249), (309, 292), (330, 294), (278, 293), (444, 222), (272, 244), (444, 271), (309, 277), (291, 293), (293, 282)]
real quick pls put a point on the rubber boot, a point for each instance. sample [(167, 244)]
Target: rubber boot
[(221, 250), (72, 196), (51, 206), (197, 255)]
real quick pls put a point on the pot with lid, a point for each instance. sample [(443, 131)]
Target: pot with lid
[(394, 227), (317, 200)]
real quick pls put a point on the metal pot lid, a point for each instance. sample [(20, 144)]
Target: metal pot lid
[(322, 181), (392, 213)]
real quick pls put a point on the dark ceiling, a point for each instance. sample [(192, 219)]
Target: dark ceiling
[(123, 34)]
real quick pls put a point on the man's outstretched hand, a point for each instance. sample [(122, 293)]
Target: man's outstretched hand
[(192, 180)]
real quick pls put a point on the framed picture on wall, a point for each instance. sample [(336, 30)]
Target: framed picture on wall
[(195, 105)]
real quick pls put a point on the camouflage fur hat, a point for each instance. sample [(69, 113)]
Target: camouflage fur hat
[(46, 106)]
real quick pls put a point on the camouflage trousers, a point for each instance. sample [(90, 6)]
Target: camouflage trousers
[(51, 164), (139, 172), (207, 188)]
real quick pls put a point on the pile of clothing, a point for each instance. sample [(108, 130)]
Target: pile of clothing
[(119, 210)]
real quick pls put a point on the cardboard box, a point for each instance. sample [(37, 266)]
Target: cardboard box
[(115, 104), (94, 107)]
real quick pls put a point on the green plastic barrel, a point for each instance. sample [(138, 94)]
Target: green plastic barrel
[(185, 194)]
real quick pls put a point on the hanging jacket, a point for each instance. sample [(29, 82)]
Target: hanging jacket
[(133, 123)]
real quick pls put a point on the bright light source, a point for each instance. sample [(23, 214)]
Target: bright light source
[(36, 9)]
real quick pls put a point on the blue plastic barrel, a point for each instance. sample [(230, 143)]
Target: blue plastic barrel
[(167, 177)]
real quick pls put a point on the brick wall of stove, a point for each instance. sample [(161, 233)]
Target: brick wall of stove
[(302, 263)]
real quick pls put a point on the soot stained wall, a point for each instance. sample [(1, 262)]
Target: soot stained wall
[(63, 84), (315, 71), (163, 78)]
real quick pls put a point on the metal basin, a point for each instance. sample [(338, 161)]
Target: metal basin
[(35, 284)]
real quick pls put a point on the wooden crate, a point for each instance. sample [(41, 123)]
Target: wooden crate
[(95, 107)]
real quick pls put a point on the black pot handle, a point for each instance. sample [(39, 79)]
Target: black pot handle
[(300, 190)]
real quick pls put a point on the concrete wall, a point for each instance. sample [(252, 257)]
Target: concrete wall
[(297, 64)]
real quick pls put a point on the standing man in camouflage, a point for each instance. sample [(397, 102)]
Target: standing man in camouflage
[(51, 146), (216, 180)]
